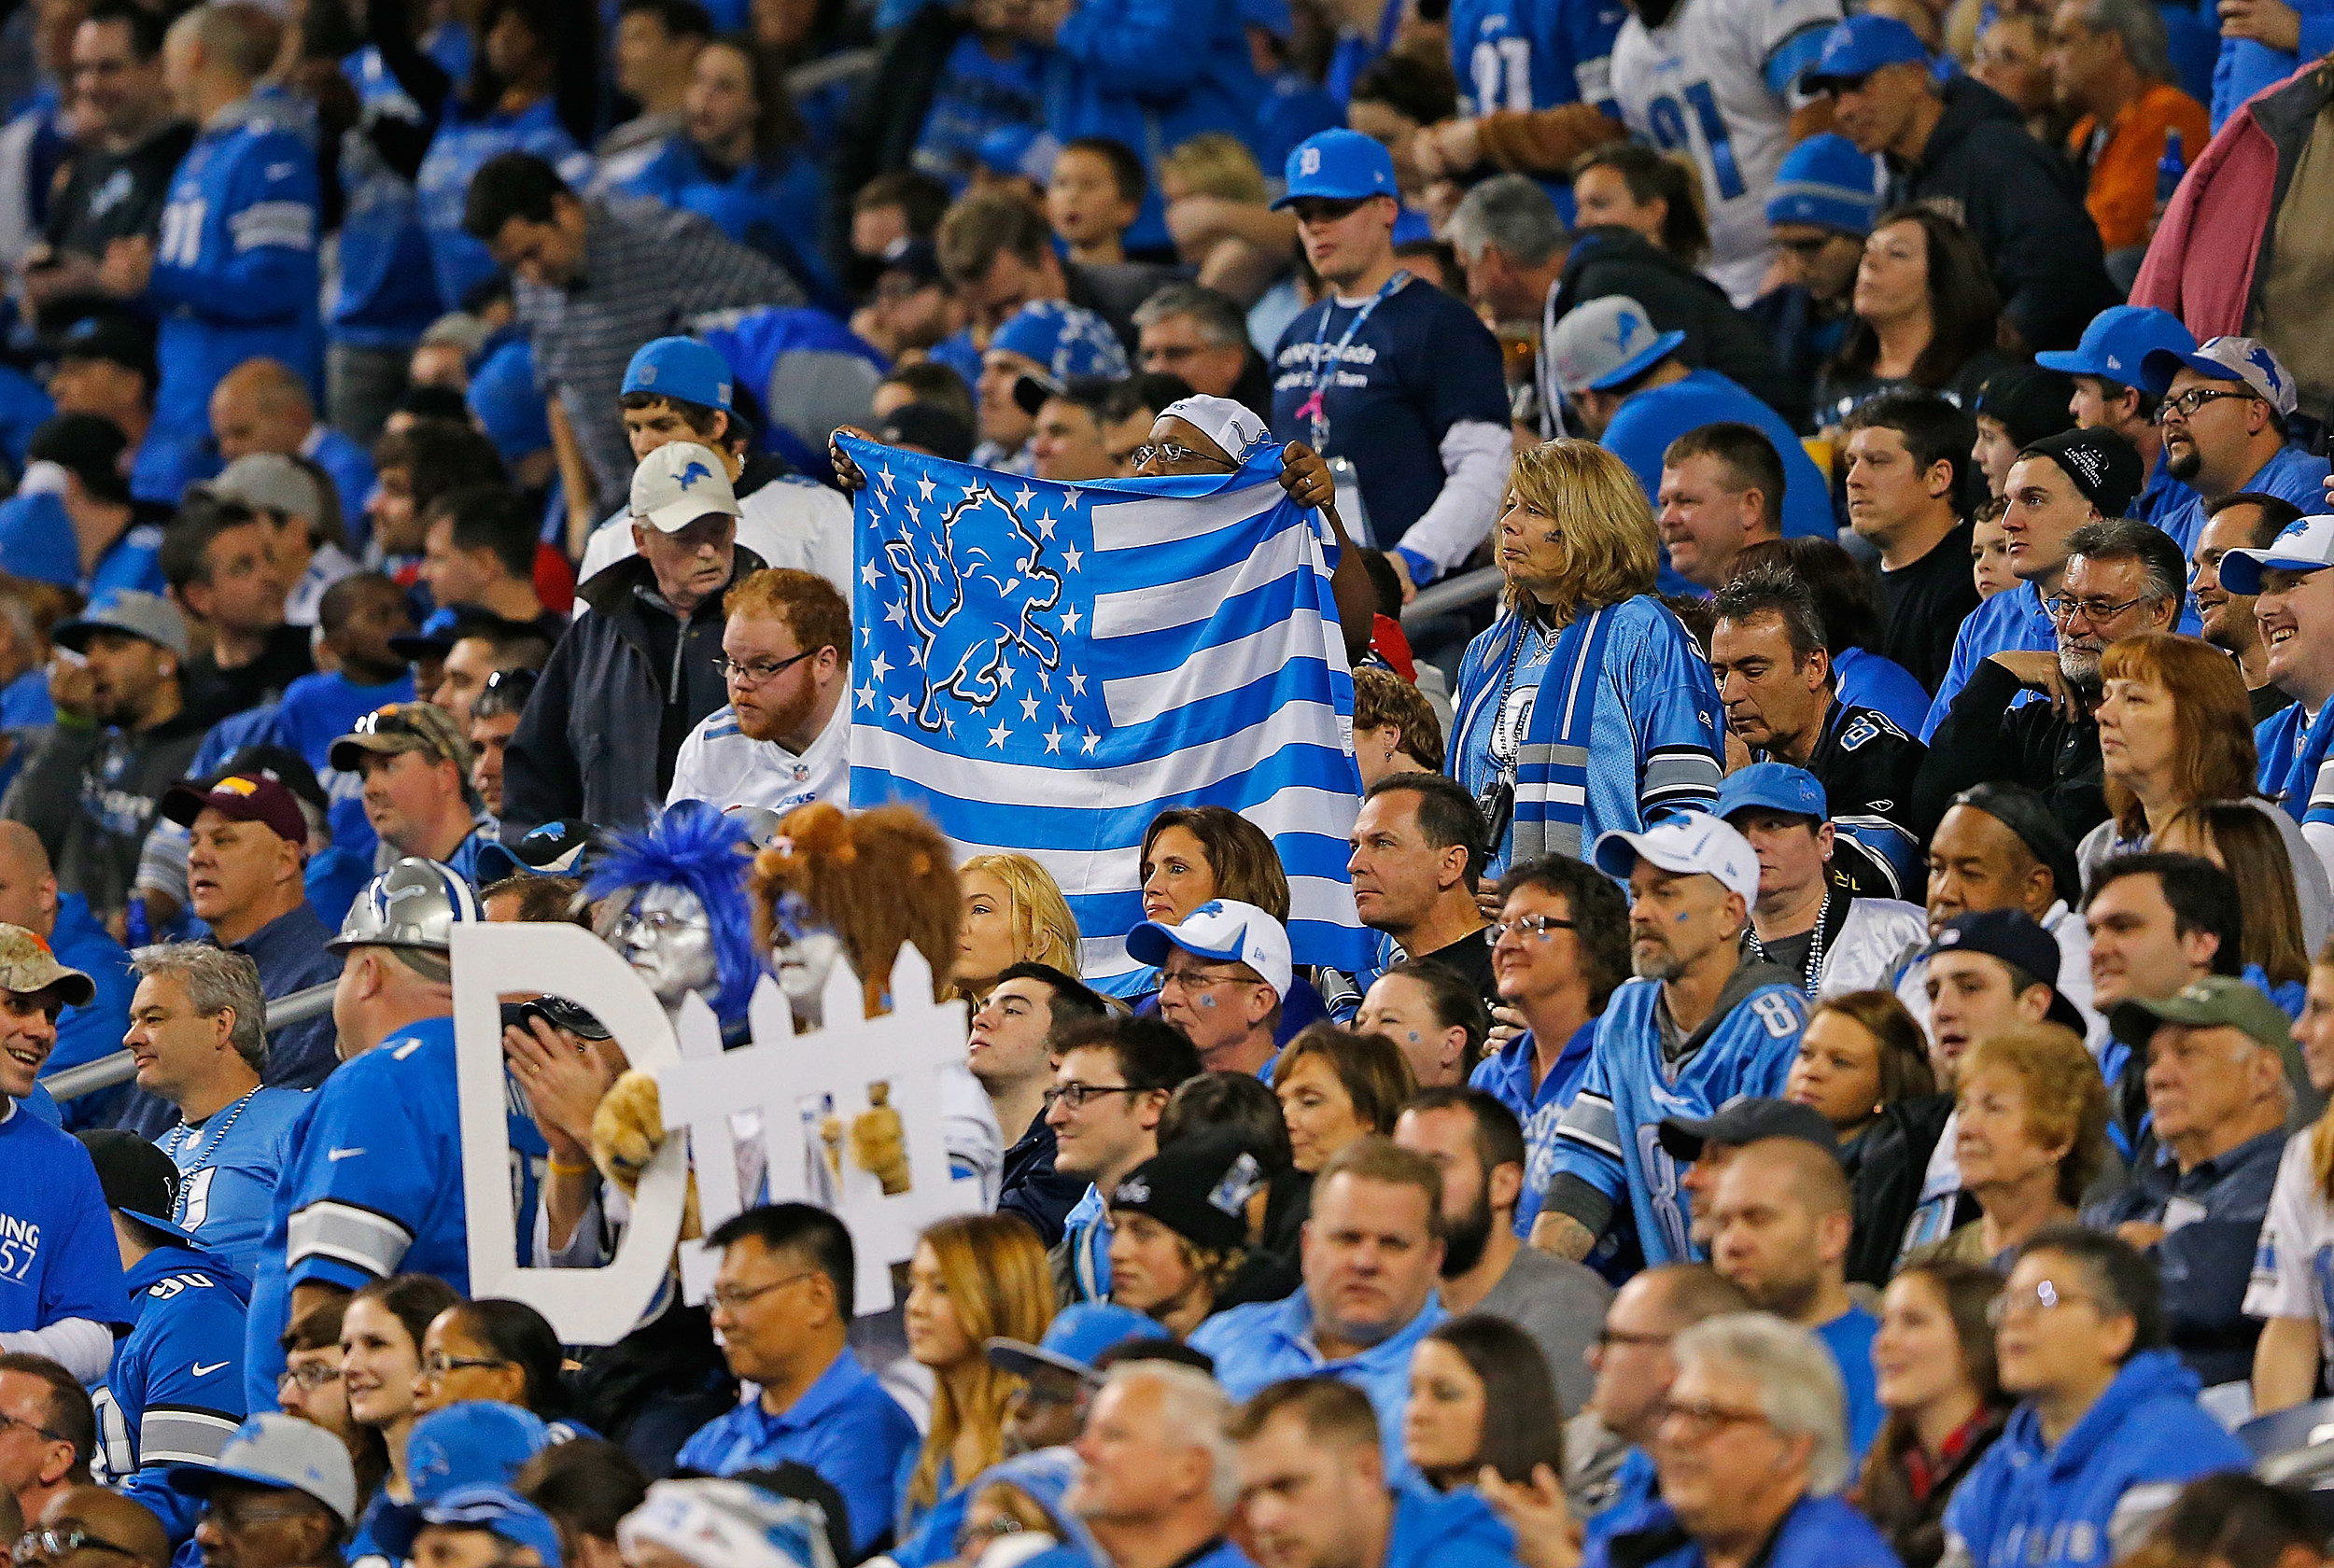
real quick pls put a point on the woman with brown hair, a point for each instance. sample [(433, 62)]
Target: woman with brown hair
[(1633, 186), (2175, 728), (1334, 1085), (1933, 1367), (1926, 318), (1863, 1065), (2030, 1132), (1585, 707), (2247, 843), (1195, 854), (382, 1327)]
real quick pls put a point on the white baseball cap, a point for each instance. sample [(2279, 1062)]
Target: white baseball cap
[(678, 483), (2305, 544), (1231, 426), (1691, 844), (1228, 931)]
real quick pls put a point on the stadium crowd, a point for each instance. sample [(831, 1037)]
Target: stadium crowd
[(1826, 518)]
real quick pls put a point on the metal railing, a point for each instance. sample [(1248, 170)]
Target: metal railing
[(296, 1007), (1452, 594)]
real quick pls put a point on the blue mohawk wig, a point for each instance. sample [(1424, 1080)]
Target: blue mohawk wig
[(689, 845)]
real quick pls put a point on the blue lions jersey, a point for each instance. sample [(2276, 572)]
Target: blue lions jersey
[(174, 1392), (235, 265), (373, 1185), (228, 1169), (1608, 1138), (1534, 54)]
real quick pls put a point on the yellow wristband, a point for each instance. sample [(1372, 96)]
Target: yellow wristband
[(557, 1168)]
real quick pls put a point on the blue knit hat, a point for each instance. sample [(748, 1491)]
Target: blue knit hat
[(1825, 181), (1064, 340)]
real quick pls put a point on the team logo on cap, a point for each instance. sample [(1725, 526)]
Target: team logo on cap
[(1240, 1183), (234, 787), (688, 477), (1309, 160), (2264, 361), (1624, 326)]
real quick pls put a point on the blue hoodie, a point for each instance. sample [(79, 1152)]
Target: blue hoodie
[(1817, 1533), (1447, 1530), (2031, 1504)]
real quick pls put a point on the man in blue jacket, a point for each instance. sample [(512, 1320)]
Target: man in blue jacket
[(2105, 1406), (1313, 1491), (173, 1395), (1752, 1456), (234, 275)]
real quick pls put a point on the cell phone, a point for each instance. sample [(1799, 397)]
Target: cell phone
[(559, 1011)]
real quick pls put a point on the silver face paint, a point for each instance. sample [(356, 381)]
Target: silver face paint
[(666, 935)]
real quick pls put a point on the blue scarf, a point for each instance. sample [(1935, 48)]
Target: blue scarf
[(1551, 761)]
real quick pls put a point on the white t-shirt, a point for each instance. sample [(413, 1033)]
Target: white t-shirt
[(1699, 84), (2293, 1268), (718, 763), (788, 522)]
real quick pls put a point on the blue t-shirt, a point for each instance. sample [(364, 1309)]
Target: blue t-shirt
[(228, 1166), (2292, 475), (977, 94), (315, 712), (461, 147), (1642, 430), (58, 1258), (1849, 1337), (1506, 1076), (1266, 1341), (2012, 620), (843, 1426), (174, 1392), (1420, 363)]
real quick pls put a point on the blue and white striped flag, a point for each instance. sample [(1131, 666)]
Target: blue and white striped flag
[(1044, 668)]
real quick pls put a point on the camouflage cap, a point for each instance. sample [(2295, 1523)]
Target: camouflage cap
[(407, 726), (27, 965)]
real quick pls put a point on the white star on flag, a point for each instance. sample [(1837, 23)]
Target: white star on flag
[(867, 696), (868, 574), (1077, 682), (896, 612), (1023, 496), (886, 474), (997, 737), (1092, 741), (1068, 714), (903, 708), (1072, 555), (1046, 527), (1070, 619), (1005, 673), (924, 487), (1053, 740), (1029, 707), (881, 665)]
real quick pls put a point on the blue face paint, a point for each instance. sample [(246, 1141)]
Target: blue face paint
[(1207, 999)]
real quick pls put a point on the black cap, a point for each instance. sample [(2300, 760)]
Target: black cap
[(136, 1177), (2015, 937), (2019, 809), (2031, 402), (1746, 1121), (88, 446), (1198, 1187), (919, 259), (933, 429), (2105, 466), (114, 336)]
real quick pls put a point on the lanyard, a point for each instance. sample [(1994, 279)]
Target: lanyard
[(1312, 410)]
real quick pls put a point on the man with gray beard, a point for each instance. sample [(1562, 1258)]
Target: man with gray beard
[(2122, 578)]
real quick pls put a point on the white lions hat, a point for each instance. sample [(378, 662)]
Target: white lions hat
[(678, 483), (1691, 844), (1224, 929)]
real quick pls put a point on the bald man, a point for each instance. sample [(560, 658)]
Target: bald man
[(1780, 1222), (129, 1527), (262, 405), (29, 897)]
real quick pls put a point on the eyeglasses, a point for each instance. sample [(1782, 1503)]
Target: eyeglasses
[(2097, 612), (753, 675), (1527, 927), (2196, 398), (2045, 1296), (311, 1377), (730, 1298), (63, 1542), (1699, 1418), (1077, 1095), (435, 1368), (1197, 980), (9, 1422), (1174, 451)]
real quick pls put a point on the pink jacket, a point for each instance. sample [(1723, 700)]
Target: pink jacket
[(2199, 265)]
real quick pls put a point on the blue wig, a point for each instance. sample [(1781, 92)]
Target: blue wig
[(689, 845)]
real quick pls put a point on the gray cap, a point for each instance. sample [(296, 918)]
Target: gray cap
[(269, 483), (1603, 342), (128, 609), (284, 1452), (1746, 1121), (415, 903)]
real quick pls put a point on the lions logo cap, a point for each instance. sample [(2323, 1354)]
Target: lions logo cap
[(1694, 844), (2245, 359), (2306, 544), (1224, 929), (678, 483), (282, 1454), (1338, 165), (682, 369), (1605, 343)]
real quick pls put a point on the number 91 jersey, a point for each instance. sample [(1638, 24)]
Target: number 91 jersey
[(1718, 81)]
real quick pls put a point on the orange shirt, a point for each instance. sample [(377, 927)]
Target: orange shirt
[(2122, 195)]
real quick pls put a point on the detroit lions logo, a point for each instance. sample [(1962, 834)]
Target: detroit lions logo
[(2263, 361), (689, 476), (976, 604), (1624, 326)]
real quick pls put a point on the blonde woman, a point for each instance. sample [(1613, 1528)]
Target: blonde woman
[(1586, 706), (2293, 1271), (974, 1278), (1013, 913)]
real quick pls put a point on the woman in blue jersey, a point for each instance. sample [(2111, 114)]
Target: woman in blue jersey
[(381, 1332), (1585, 707)]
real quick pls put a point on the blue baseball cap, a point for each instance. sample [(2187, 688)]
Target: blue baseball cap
[(681, 368), (1338, 165), (477, 1442), (2304, 545), (1825, 181), (1075, 1337), (1777, 787), (1855, 48), (2118, 344), (494, 1508)]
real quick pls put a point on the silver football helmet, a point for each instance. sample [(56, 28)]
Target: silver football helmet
[(415, 903)]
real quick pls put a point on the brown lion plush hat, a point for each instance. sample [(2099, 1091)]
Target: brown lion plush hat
[(876, 879)]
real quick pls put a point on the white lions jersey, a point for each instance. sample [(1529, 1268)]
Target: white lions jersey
[(1718, 81), (719, 764), (789, 521)]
